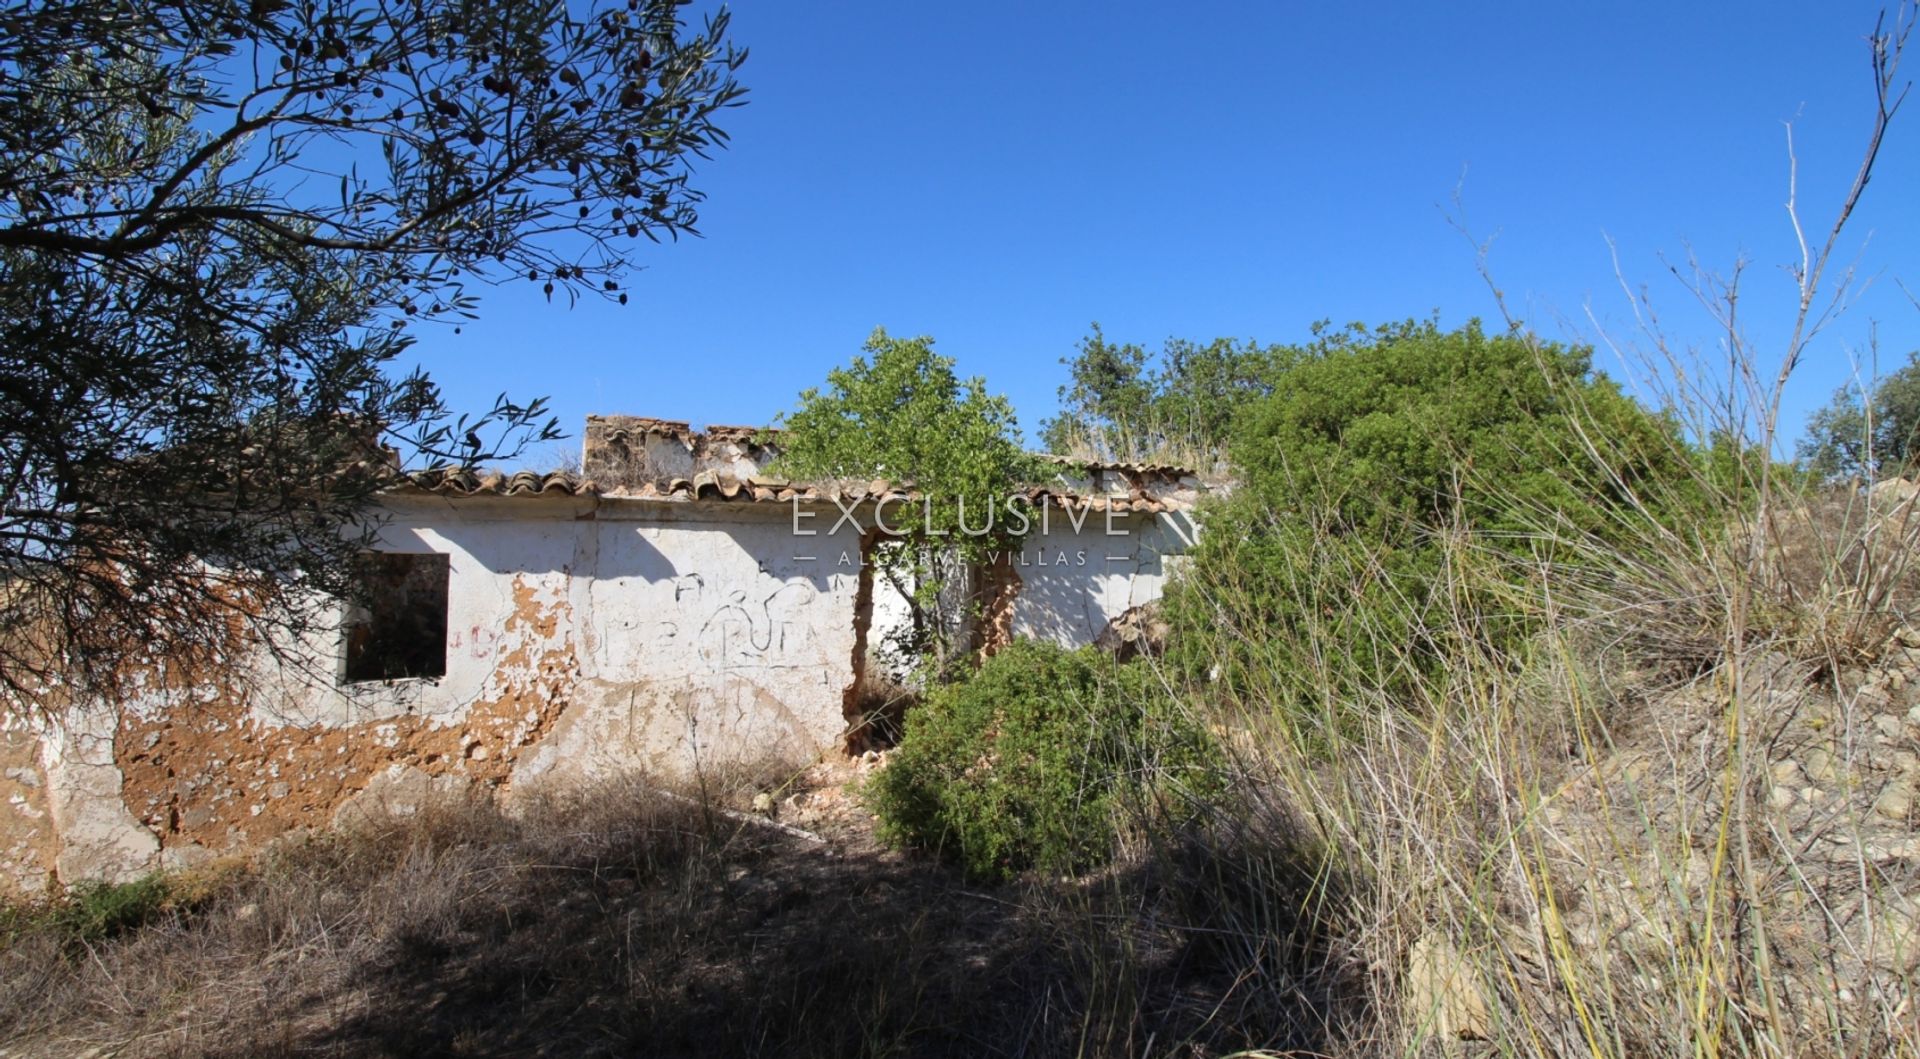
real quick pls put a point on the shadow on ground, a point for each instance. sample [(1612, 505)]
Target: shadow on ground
[(668, 930)]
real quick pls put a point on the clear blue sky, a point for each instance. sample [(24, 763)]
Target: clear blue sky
[(1000, 175)]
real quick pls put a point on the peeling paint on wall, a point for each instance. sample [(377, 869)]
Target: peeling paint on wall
[(211, 776), (588, 633)]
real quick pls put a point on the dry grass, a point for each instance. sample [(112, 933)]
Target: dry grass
[(1841, 575), (1675, 822), (1172, 444), (1583, 848), (625, 920)]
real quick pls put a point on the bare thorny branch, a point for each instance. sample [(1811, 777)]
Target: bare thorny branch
[(1888, 45), (1747, 412)]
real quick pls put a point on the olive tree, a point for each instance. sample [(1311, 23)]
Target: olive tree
[(221, 222)]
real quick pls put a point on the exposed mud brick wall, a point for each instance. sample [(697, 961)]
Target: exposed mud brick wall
[(1000, 590), (217, 775), (854, 698), (28, 842)]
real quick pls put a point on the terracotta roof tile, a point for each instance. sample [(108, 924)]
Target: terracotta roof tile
[(463, 481), (712, 486), (1172, 470), (628, 426)]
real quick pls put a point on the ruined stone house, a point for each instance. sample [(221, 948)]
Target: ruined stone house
[(666, 608)]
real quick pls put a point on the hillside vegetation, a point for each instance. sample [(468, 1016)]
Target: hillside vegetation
[(1553, 729), (1498, 716)]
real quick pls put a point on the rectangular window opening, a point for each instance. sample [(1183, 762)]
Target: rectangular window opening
[(399, 630)]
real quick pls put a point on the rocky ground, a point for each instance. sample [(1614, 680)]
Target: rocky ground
[(1649, 832)]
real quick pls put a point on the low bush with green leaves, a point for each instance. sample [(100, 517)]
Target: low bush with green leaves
[(1384, 459), (1037, 760), (91, 912), (98, 910)]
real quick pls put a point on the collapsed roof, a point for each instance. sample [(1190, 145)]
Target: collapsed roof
[(641, 458)]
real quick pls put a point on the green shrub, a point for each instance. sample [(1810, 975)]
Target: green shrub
[(1394, 486), (1413, 428), (95, 911), (1029, 762)]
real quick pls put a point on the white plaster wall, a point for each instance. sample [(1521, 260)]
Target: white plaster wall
[(493, 551), (1078, 576), (889, 617), (712, 635), (98, 837), (592, 637), (1078, 572), (704, 634)]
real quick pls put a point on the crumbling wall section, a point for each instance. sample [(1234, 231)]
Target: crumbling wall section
[(29, 845), (1088, 568), (1001, 583), (225, 773), (856, 705), (632, 453), (96, 836), (627, 451), (586, 635)]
